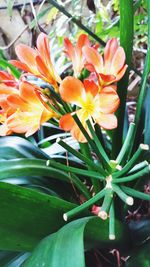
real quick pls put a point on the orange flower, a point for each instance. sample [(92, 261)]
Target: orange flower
[(75, 52), (6, 110), (29, 112), (92, 105), (109, 69), (37, 61)]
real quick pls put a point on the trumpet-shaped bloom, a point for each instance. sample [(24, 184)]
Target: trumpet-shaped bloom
[(37, 61), (92, 105), (74, 52), (109, 68), (27, 111)]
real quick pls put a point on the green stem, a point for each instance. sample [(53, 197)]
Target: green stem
[(127, 199), (135, 193), (138, 154), (123, 154), (112, 221), (100, 151), (103, 214), (82, 157), (85, 133), (140, 166), (144, 172), (81, 172), (84, 206), (86, 151), (126, 41)]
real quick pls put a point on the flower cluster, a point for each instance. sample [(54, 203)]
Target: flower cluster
[(24, 107)]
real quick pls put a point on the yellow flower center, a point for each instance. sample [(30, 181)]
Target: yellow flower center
[(87, 105)]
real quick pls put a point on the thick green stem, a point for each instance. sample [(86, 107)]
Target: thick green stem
[(112, 235), (106, 204), (81, 157), (86, 151), (84, 206), (140, 166), (136, 157), (144, 172), (135, 193), (127, 199), (81, 172), (123, 154), (99, 149), (126, 41)]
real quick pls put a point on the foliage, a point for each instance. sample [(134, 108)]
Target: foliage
[(66, 186)]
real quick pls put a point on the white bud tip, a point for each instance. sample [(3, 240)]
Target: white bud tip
[(144, 147), (112, 237), (103, 215), (65, 217), (130, 201), (119, 167)]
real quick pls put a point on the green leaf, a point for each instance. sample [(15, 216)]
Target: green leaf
[(27, 216), (5, 64), (36, 168), (140, 257), (66, 247), (16, 147)]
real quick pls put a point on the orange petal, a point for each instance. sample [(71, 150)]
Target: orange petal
[(24, 122), (118, 61), (20, 65), (109, 51), (27, 93), (109, 100), (121, 73), (27, 55), (44, 71), (93, 57), (106, 78), (71, 90), (77, 134), (16, 102), (82, 41), (91, 87), (107, 121), (66, 122), (69, 49), (43, 47)]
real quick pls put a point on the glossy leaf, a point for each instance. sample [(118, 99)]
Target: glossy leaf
[(17, 147), (27, 216), (51, 250)]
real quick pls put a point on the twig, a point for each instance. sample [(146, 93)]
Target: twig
[(16, 38)]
